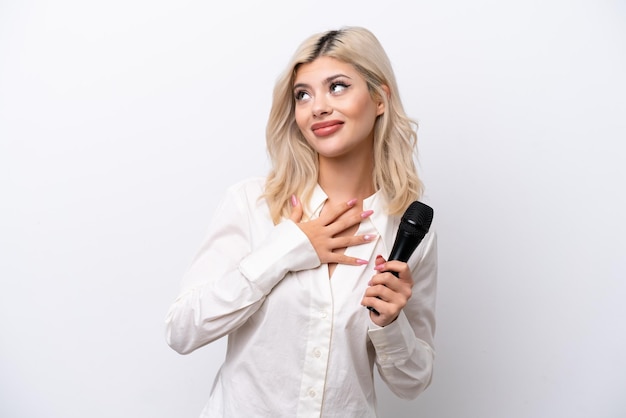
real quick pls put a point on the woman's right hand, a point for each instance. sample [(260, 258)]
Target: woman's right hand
[(323, 231)]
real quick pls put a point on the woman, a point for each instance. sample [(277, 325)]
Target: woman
[(292, 260)]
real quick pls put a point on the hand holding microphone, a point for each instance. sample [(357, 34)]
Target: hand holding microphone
[(390, 290)]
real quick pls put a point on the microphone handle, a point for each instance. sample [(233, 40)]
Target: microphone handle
[(402, 250), (404, 247)]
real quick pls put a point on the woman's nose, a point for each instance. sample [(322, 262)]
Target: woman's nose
[(321, 107)]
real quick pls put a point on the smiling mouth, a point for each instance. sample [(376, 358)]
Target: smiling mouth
[(326, 128)]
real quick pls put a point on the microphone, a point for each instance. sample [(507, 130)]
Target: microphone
[(413, 227)]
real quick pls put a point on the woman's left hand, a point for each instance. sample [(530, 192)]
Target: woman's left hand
[(386, 293)]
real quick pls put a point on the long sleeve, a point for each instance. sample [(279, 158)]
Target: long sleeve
[(235, 269), (404, 348)]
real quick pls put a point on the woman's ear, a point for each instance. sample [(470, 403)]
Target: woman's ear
[(381, 102)]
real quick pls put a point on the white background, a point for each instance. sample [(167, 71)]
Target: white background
[(122, 122)]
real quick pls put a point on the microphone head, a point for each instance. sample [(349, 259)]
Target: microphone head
[(417, 218)]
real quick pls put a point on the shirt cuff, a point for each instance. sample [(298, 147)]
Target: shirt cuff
[(285, 249), (393, 343)]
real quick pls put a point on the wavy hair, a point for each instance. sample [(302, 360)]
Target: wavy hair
[(295, 164)]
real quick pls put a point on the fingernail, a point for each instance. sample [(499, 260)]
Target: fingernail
[(294, 201), (366, 213), (379, 267), (361, 262), (368, 237), (351, 202)]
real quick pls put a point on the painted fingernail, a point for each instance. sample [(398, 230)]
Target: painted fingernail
[(351, 202), (368, 237), (366, 213), (379, 267), (294, 201), (361, 262)]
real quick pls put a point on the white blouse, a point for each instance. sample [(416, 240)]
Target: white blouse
[(300, 344)]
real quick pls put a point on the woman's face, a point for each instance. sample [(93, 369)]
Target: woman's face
[(334, 109)]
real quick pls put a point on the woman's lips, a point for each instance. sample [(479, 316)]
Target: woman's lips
[(326, 128)]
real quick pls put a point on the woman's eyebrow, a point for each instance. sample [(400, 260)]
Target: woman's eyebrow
[(327, 81)]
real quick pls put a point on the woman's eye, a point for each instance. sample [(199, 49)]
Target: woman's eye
[(301, 95), (338, 87)]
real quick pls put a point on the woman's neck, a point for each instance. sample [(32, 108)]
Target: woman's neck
[(343, 180)]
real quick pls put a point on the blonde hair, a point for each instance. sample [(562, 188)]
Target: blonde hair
[(295, 164)]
